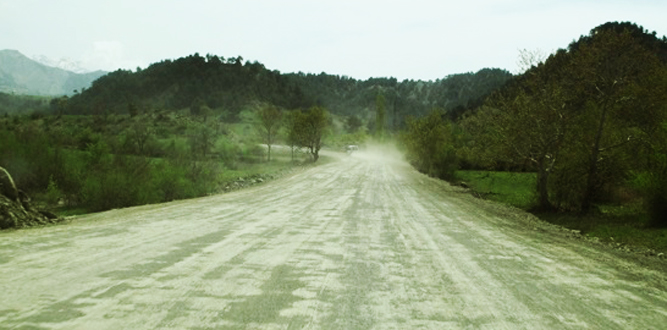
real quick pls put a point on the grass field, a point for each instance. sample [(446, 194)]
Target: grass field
[(617, 224), (511, 188)]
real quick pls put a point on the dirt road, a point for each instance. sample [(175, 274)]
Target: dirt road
[(363, 242)]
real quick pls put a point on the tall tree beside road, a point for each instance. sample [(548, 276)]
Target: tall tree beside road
[(613, 69), (307, 129), (527, 125), (430, 145)]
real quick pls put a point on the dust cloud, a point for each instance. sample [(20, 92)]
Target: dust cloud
[(387, 153)]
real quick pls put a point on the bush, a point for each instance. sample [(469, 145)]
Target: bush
[(226, 150), (653, 186), (430, 146), (53, 193), (567, 183), (656, 206)]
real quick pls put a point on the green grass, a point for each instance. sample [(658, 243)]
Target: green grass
[(625, 224), (70, 211), (506, 187), (253, 169)]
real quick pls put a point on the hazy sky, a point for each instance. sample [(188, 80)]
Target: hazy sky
[(415, 39)]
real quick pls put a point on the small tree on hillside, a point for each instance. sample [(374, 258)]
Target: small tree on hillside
[(268, 123), (380, 113), (201, 139), (140, 134)]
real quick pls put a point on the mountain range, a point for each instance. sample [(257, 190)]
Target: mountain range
[(22, 75), (62, 63)]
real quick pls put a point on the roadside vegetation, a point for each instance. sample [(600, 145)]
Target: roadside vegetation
[(78, 163), (620, 224), (579, 139)]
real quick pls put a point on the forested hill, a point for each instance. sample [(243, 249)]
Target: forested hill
[(226, 86), (563, 72), (212, 81), (454, 93), (588, 120)]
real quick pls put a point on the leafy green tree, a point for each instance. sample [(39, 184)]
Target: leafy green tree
[(201, 138), (529, 126), (430, 144), (268, 123), (614, 66), (307, 129), (577, 119), (295, 134), (140, 135)]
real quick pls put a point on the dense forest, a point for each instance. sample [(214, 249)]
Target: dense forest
[(590, 121), (224, 87)]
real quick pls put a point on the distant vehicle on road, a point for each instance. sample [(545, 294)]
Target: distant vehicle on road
[(351, 148)]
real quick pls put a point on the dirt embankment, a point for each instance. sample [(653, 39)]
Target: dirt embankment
[(16, 208)]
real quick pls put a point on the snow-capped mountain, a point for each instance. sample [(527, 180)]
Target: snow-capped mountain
[(63, 63), (22, 75)]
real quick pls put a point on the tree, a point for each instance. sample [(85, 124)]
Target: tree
[(268, 123), (615, 65), (294, 133), (202, 140), (140, 134), (430, 145), (577, 119), (525, 126), (380, 113), (307, 129), (352, 124)]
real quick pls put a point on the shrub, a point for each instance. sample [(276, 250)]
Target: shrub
[(653, 186), (53, 193), (430, 145)]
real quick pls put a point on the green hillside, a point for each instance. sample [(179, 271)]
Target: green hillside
[(225, 87)]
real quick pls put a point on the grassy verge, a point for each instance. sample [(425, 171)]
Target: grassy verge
[(515, 189), (620, 225), (274, 168)]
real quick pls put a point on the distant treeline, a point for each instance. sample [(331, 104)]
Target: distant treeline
[(224, 87), (22, 104)]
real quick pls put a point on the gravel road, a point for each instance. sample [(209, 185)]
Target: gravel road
[(361, 242)]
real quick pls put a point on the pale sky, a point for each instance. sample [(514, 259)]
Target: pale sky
[(415, 39)]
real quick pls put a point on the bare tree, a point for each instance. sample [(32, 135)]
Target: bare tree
[(529, 58)]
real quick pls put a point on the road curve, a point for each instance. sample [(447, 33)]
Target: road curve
[(362, 242)]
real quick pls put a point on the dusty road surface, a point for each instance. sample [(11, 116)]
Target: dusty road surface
[(362, 242)]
